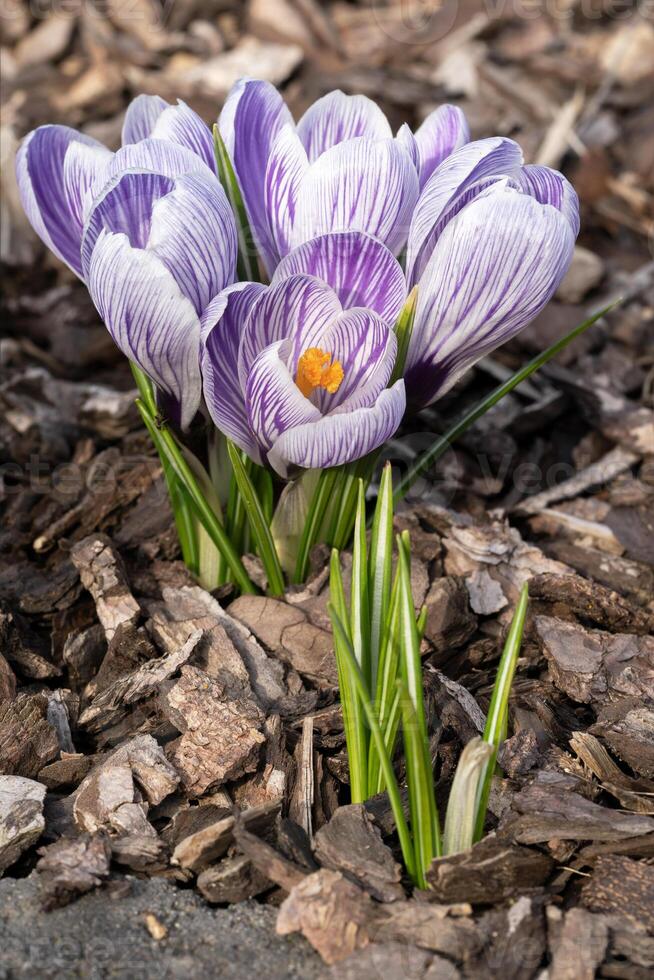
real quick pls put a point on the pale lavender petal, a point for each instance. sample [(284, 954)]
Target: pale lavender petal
[(407, 140), (273, 400), (338, 117), (249, 123), (158, 156), (443, 131), (124, 206), (141, 116), (221, 327), (53, 193), (286, 167), (366, 349), (360, 270), (551, 187), (300, 309), (361, 185), (462, 176), (148, 317), (194, 234), (340, 438), (181, 125), (493, 269)]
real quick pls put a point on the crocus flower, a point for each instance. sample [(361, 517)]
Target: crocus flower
[(339, 169), (60, 171), (296, 380)]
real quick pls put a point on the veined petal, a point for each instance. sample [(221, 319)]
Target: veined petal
[(141, 116), (249, 123), (298, 309), (358, 267), (124, 206), (443, 131), (181, 125), (148, 317), (274, 402), (340, 438), (366, 348), (337, 117), (53, 193), (551, 187), (286, 167), (221, 327), (360, 185), (158, 156), (194, 234), (407, 140), (461, 176), (493, 269)]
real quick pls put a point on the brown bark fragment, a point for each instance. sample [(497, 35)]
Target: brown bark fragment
[(351, 843)]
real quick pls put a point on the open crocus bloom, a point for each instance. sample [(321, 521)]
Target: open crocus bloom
[(339, 169), (305, 382), (60, 171)]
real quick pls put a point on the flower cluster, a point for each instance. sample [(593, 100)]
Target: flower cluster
[(346, 219)]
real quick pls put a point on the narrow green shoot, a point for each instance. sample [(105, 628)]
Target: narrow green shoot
[(380, 568), (359, 599), (246, 265), (317, 510), (403, 331), (461, 815)]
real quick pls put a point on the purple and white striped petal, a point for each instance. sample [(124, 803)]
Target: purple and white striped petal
[(551, 187), (459, 179), (366, 349), (360, 270), (141, 116), (181, 125), (360, 185), (299, 309), (340, 438), (286, 168), (194, 234), (407, 140), (55, 167), (338, 117), (158, 156), (148, 317), (493, 269), (443, 131), (249, 123), (273, 400), (124, 206), (221, 327)]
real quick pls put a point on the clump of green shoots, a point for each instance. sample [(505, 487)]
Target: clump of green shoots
[(377, 642)]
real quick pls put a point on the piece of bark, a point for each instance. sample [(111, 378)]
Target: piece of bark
[(66, 772), (70, 867), (331, 913), (27, 739), (450, 622), (633, 794), (107, 800), (302, 797), (221, 737), (143, 853), (235, 879), (520, 753), (630, 578), (128, 649), (628, 729), (620, 884), (270, 782), (351, 843), (615, 462), (516, 941), (23, 648), (83, 653), (21, 817), (115, 701), (155, 776), (267, 859), (580, 946), (287, 632), (394, 961), (543, 812), (592, 666), (58, 713), (490, 872), (103, 574), (7, 681), (207, 845), (592, 601), (431, 927)]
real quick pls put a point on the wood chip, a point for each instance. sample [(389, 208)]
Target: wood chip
[(102, 573), (28, 741), (199, 849), (620, 884), (21, 817), (70, 867)]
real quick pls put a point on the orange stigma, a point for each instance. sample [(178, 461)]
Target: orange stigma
[(316, 370)]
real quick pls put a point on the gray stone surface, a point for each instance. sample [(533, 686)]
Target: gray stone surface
[(101, 937)]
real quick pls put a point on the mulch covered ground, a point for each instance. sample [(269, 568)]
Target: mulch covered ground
[(151, 729)]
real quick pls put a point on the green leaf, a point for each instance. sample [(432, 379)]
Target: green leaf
[(353, 717), (386, 692), (443, 442), (247, 265), (359, 605), (168, 448), (498, 711), (461, 813), (380, 569), (403, 330), (317, 510), (258, 524), (392, 787)]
